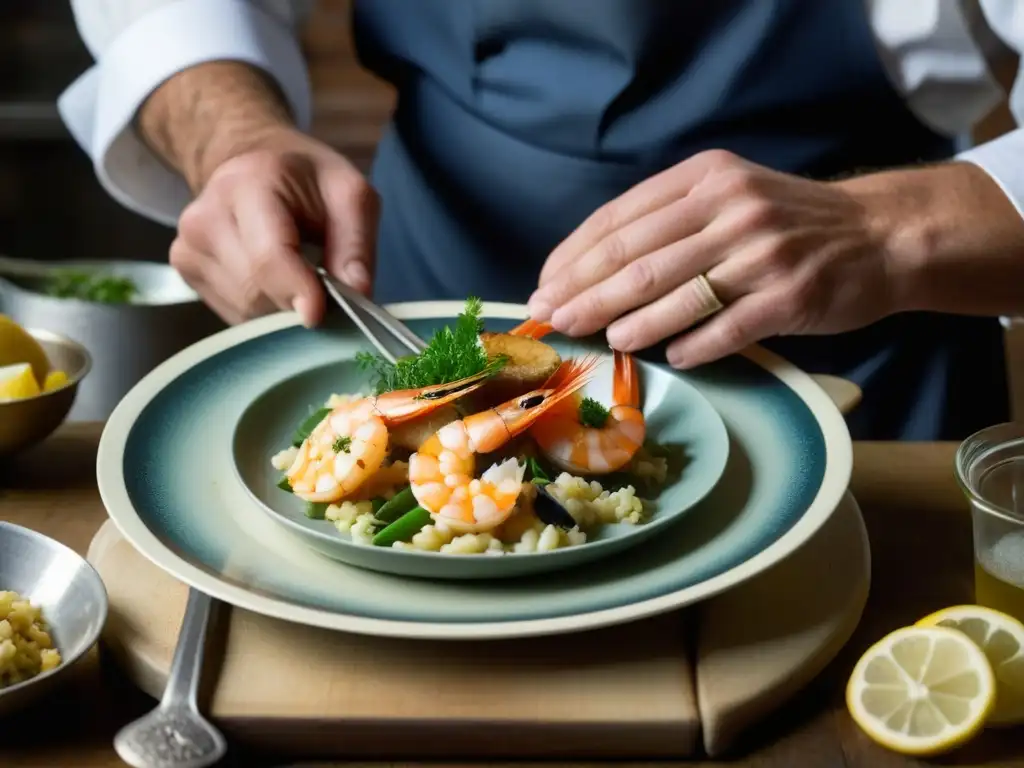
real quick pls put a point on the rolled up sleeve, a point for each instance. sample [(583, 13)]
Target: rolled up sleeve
[(1003, 157), (139, 44)]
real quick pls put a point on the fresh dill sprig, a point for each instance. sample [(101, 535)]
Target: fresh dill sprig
[(592, 413), (452, 354)]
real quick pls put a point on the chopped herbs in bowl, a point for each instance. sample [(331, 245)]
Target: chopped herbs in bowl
[(95, 286)]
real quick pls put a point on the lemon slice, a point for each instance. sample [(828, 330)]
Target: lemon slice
[(18, 346), (17, 382), (54, 380), (1001, 637), (922, 690)]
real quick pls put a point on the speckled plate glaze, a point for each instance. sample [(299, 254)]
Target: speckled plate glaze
[(677, 415), (166, 475)]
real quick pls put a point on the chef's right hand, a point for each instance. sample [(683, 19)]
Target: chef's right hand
[(238, 241)]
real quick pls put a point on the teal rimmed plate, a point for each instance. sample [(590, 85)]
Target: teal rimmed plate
[(676, 413), (166, 475)]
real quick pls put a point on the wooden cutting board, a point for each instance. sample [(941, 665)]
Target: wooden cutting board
[(672, 686)]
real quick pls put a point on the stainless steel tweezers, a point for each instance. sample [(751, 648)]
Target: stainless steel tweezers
[(387, 333)]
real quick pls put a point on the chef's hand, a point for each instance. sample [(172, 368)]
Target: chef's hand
[(238, 241), (784, 255)]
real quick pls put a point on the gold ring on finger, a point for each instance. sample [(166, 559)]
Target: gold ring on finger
[(708, 301)]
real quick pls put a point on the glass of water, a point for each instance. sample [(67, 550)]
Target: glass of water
[(990, 470)]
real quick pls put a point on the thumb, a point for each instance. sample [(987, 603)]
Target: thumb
[(351, 213)]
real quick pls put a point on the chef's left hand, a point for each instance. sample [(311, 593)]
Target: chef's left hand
[(783, 254)]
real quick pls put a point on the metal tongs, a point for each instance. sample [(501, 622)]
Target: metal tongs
[(398, 341)]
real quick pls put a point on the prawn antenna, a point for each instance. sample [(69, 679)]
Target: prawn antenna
[(572, 375)]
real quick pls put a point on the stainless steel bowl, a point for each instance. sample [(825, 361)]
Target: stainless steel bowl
[(70, 593), (23, 423), (126, 341)]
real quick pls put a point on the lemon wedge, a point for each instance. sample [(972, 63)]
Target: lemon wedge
[(18, 346), (17, 382), (922, 690), (54, 380), (1001, 637)]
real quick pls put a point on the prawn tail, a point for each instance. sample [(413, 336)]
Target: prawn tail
[(532, 329), (626, 382)]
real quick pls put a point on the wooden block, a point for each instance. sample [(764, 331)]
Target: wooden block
[(619, 692)]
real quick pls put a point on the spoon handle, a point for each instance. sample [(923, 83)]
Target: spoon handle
[(183, 681)]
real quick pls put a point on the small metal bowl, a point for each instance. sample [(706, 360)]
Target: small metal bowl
[(23, 423), (70, 593)]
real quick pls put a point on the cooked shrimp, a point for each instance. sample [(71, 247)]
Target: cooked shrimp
[(586, 448), (441, 472), (351, 442), (608, 440)]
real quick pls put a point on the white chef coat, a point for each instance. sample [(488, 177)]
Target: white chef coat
[(939, 54)]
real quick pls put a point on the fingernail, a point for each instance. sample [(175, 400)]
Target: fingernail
[(538, 308), (563, 320), (357, 275), (618, 338), (675, 358), (301, 307)]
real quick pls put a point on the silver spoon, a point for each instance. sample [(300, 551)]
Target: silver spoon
[(175, 735)]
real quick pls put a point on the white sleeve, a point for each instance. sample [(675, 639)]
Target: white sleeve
[(1003, 157), (137, 45)]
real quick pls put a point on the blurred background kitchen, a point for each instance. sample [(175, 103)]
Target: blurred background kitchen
[(52, 209)]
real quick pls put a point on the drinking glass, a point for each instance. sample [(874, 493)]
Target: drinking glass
[(990, 470)]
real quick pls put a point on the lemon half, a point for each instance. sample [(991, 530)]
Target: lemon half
[(1001, 637), (18, 346), (922, 690)]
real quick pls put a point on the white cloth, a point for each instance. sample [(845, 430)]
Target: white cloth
[(939, 54)]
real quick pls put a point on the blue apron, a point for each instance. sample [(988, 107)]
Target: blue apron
[(516, 119)]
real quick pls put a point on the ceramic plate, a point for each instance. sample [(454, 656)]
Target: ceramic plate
[(676, 413), (166, 474)]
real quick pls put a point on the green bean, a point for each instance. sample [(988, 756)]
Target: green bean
[(316, 510), (284, 485), (396, 506), (308, 425), (404, 528)]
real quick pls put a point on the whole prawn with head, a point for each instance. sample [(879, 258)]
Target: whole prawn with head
[(350, 444), (582, 436), (441, 471)]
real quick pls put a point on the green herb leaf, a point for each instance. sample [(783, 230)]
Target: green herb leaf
[(592, 413), (537, 474), (452, 354), (341, 445), (90, 286)]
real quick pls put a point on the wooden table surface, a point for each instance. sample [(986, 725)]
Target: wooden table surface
[(921, 548)]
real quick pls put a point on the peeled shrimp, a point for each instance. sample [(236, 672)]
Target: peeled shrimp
[(441, 472), (351, 443)]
